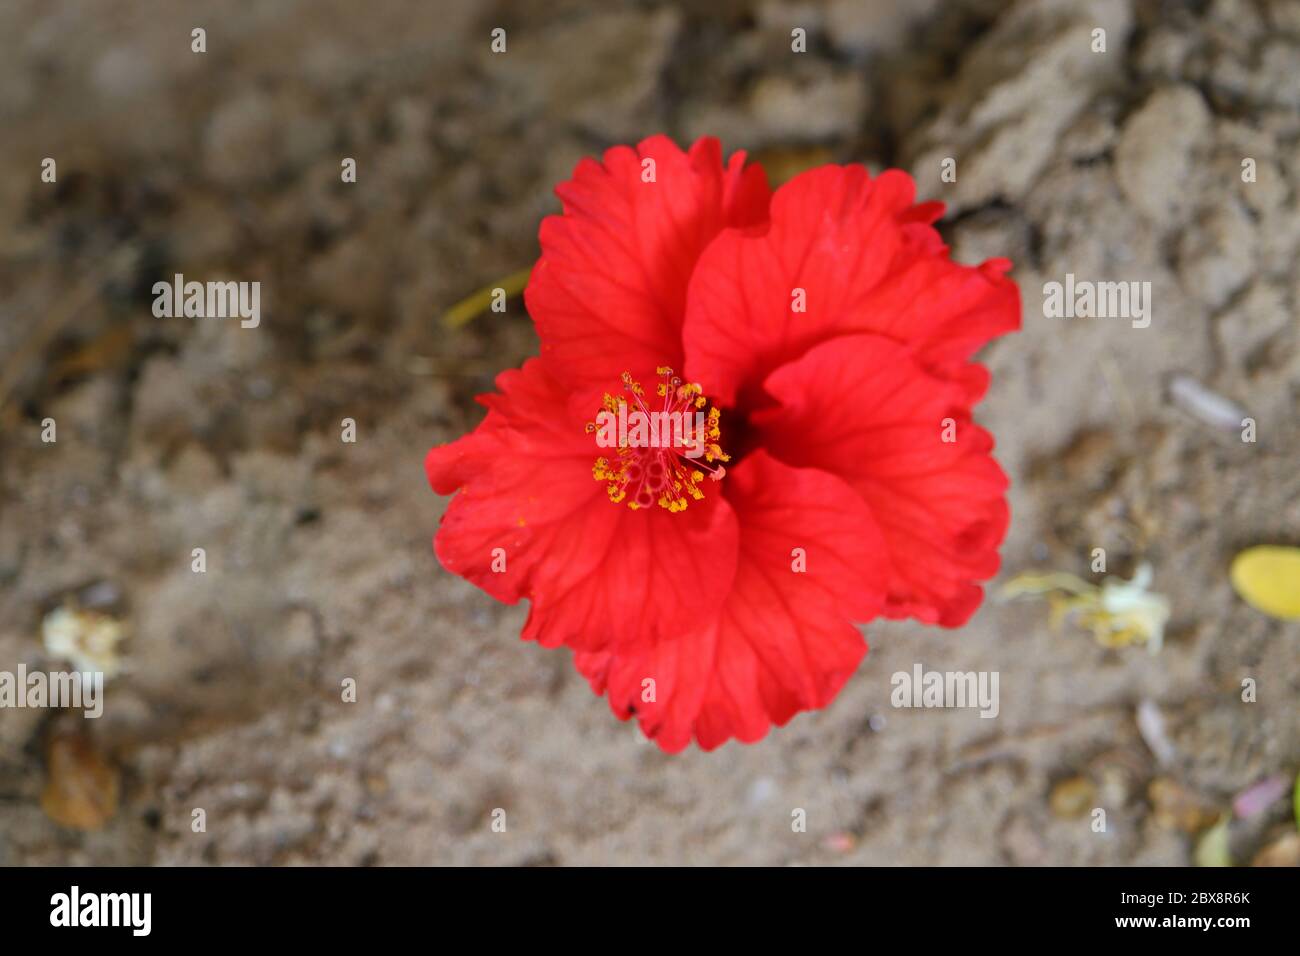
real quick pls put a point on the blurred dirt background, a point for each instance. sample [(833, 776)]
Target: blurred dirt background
[(183, 433)]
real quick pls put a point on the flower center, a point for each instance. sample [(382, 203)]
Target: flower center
[(660, 455)]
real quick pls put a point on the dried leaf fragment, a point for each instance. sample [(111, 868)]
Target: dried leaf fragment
[(1118, 613), (1212, 847), (1258, 797), (82, 789)]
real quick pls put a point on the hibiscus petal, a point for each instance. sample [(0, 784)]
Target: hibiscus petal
[(783, 641), (591, 569), (609, 290), (866, 260), (864, 408)]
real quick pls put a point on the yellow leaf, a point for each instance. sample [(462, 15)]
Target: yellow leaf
[(1268, 579)]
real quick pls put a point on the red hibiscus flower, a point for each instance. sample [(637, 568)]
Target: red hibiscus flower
[(825, 338)]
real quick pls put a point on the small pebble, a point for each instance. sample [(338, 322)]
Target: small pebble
[(1072, 798), (1204, 405)]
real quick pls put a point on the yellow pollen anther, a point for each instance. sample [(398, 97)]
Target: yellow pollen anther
[(661, 455)]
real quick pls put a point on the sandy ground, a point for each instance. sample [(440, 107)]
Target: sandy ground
[(181, 433)]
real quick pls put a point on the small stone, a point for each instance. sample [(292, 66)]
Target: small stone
[(1072, 798), (100, 595), (839, 843), (122, 73), (1177, 808), (760, 791), (819, 108), (168, 407), (1249, 324), (1207, 406), (1285, 851), (599, 72), (858, 28), (239, 144), (1022, 843), (1164, 52), (1155, 734), (1218, 257), (1155, 151)]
